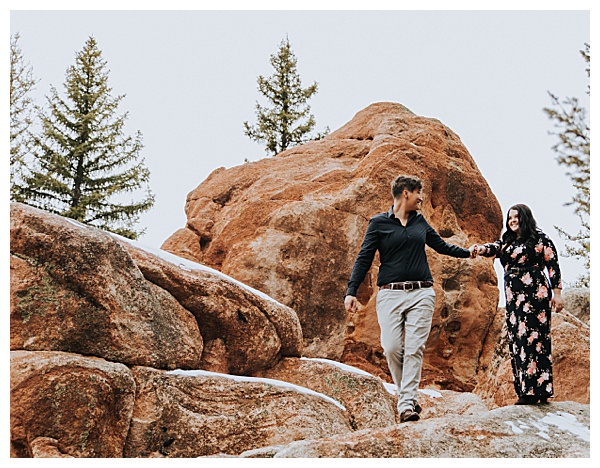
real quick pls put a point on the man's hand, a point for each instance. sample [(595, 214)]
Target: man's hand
[(474, 250), (350, 303), (481, 249)]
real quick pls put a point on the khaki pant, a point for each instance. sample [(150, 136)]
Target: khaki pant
[(405, 321)]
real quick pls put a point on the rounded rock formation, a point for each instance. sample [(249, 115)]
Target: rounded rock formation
[(292, 225)]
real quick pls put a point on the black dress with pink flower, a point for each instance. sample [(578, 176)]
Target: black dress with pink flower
[(528, 312)]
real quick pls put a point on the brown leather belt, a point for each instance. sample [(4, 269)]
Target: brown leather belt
[(407, 285)]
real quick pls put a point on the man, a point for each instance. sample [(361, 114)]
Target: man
[(406, 299)]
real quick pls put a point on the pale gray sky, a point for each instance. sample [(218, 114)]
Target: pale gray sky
[(190, 83)]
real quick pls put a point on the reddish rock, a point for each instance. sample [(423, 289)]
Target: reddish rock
[(243, 330), (79, 289), (495, 374), (368, 357), (570, 357), (560, 430), (192, 414), (364, 396), (292, 225), (76, 289), (370, 402), (63, 404)]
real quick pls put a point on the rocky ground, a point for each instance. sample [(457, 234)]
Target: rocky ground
[(239, 347)]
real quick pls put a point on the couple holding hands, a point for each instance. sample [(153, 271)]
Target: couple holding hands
[(406, 298)]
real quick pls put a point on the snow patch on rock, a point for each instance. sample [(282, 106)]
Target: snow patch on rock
[(240, 378)]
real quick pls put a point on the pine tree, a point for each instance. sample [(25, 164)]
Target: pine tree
[(288, 122), (84, 163), (573, 152), (22, 108)]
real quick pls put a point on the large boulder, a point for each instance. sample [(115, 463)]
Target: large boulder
[(292, 225), (191, 414), (78, 289), (370, 402), (66, 405), (365, 397), (243, 329), (560, 430)]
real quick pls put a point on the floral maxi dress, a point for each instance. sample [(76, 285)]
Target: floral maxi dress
[(528, 312)]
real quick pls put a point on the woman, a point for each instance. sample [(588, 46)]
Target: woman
[(525, 252)]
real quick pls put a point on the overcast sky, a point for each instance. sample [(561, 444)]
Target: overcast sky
[(190, 82)]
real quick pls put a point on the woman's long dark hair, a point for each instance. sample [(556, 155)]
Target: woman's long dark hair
[(527, 226)]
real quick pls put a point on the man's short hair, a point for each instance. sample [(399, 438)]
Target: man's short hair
[(404, 182)]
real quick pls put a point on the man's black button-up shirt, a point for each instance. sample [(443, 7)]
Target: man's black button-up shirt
[(401, 250)]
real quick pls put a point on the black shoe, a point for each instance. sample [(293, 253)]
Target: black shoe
[(527, 400), (544, 401), (418, 408), (409, 415)]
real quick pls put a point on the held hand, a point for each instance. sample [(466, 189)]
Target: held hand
[(481, 249), (350, 303), (474, 250)]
